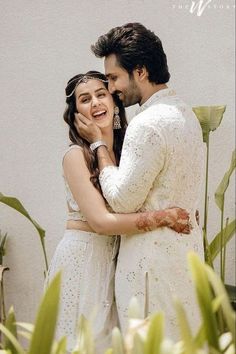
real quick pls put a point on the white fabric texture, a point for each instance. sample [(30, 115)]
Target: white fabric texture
[(161, 166), (87, 261)]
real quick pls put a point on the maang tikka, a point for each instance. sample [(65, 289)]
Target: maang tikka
[(116, 121)]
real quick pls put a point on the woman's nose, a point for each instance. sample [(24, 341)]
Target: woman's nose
[(95, 101)]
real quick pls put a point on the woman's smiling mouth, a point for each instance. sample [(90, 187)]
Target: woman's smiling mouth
[(99, 114)]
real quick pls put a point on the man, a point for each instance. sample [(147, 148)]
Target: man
[(161, 166)]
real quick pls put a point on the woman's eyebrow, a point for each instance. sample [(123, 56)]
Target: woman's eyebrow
[(88, 93)]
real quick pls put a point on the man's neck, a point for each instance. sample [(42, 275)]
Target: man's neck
[(149, 90)]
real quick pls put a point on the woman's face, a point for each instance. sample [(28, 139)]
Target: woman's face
[(94, 101)]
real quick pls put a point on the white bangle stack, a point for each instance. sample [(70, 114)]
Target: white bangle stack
[(95, 145)]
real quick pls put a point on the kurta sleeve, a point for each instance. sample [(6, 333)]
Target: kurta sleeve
[(143, 155)]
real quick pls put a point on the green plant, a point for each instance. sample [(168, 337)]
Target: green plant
[(210, 118), (144, 336), (16, 205), (3, 268)]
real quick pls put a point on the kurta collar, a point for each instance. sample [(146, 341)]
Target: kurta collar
[(156, 97)]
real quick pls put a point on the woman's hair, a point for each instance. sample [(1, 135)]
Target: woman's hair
[(135, 47), (69, 117)]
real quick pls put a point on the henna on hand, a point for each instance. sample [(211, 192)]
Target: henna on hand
[(175, 218)]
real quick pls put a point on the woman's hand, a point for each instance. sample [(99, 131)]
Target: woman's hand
[(87, 128), (177, 219)]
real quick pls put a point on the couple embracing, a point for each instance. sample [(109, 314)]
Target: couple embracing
[(132, 190)]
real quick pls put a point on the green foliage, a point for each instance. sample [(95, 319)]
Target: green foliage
[(11, 326), (205, 299), (221, 189), (46, 320), (15, 204), (144, 336), (215, 245), (3, 239), (210, 118)]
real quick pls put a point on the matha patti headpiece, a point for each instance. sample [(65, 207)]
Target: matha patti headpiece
[(84, 79)]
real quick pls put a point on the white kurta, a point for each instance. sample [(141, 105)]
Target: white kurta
[(161, 166)]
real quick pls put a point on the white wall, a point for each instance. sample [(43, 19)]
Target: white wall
[(43, 44)]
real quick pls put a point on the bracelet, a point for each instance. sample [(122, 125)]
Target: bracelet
[(95, 145)]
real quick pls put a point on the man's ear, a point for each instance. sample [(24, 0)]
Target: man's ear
[(141, 73)]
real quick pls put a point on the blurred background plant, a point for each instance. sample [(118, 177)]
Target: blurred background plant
[(3, 268), (210, 118), (144, 336), (17, 205)]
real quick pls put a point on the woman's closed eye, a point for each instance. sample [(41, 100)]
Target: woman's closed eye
[(101, 94), (85, 99)]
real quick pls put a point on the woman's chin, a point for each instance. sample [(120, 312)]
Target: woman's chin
[(103, 123)]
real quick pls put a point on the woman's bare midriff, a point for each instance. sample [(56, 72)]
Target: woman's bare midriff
[(78, 225)]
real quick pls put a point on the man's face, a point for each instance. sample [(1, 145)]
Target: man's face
[(121, 83)]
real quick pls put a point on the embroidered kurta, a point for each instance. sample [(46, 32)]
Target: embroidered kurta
[(161, 166)]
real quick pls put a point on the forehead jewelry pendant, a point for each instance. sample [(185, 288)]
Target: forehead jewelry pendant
[(85, 79)]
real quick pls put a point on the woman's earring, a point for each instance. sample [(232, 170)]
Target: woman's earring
[(116, 120)]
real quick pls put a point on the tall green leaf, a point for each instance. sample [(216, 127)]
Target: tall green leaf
[(60, 347), (16, 204), (205, 298), (11, 326), (221, 189), (12, 339), (155, 334), (3, 239), (219, 289), (185, 330), (228, 232), (42, 338), (85, 342), (138, 345), (117, 342)]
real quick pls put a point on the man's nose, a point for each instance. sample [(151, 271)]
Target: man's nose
[(111, 87)]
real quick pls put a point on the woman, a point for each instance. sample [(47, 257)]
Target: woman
[(87, 253)]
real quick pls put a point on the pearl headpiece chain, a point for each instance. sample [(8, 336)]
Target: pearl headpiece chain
[(84, 80)]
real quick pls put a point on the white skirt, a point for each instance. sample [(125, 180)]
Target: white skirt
[(87, 261)]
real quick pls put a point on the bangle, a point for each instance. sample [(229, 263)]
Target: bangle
[(95, 145)]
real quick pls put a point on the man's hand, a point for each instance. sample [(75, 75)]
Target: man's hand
[(87, 128)]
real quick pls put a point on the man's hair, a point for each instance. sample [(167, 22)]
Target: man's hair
[(135, 47)]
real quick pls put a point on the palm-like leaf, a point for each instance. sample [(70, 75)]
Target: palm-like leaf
[(205, 298), (155, 334), (16, 204), (209, 117), (221, 189), (11, 326), (117, 342), (228, 232), (42, 338), (3, 239), (219, 290), (185, 330)]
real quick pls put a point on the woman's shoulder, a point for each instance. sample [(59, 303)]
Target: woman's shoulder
[(72, 151)]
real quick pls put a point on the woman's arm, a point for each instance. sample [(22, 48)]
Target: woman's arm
[(93, 206)]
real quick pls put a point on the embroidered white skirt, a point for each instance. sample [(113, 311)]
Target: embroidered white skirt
[(87, 261)]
